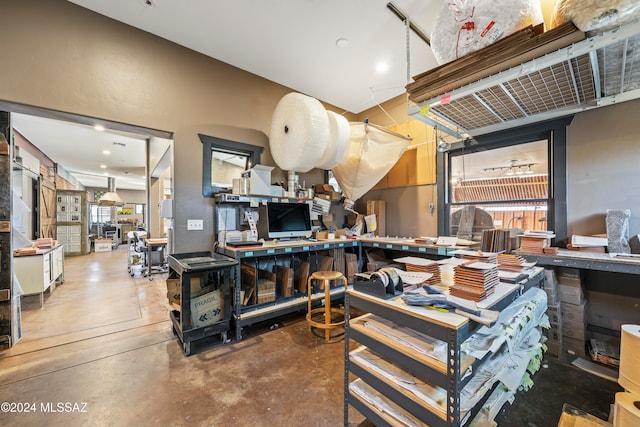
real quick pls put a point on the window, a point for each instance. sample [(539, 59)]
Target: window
[(502, 188), (224, 160), (101, 214), (512, 179)]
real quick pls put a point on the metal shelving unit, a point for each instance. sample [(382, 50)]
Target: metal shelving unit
[(248, 315), (601, 70), (451, 375), (283, 251)]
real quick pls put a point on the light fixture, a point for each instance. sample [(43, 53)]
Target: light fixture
[(528, 171), (443, 146), (110, 198), (510, 171), (103, 166), (382, 67), (99, 128), (342, 42), (106, 152), (519, 171)]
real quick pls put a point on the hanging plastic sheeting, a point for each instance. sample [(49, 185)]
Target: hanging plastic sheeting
[(372, 153), (299, 132)]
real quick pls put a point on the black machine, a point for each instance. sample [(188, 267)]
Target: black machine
[(384, 283)]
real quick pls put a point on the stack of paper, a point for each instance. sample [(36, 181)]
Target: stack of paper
[(417, 264)]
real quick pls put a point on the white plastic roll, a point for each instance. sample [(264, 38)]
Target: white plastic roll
[(629, 376), (336, 151), (626, 410), (299, 132)]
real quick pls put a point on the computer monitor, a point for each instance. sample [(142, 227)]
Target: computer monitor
[(284, 220)]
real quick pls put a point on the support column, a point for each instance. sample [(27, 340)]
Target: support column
[(6, 251)]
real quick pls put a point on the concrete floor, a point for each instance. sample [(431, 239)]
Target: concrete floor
[(103, 341), (101, 352)]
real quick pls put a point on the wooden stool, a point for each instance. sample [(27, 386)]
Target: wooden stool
[(325, 277)]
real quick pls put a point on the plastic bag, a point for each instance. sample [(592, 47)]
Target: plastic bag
[(464, 26), (592, 15)]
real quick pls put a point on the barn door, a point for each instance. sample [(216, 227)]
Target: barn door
[(47, 209)]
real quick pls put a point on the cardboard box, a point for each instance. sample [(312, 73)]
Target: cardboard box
[(206, 309), (571, 294), (569, 281), (554, 314), (568, 272), (554, 332), (259, 179), (174, 290), (611, 311), (552, 296), (573, 312), (607, 352), (573, 329), (378, 208), (573, 346), (553, 349)]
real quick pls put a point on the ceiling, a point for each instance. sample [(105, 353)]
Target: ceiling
[(82, 151), (290, 42), (294, 42)]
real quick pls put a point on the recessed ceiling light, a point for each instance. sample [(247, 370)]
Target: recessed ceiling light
[(342, 42), (99, 128), (382, 67), (103, 166), (106, 152)]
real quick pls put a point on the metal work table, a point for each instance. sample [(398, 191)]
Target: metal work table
[(243, 316)]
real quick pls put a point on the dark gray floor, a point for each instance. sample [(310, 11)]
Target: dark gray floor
[(554, 386)]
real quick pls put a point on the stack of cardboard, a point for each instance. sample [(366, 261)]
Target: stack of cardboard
[(535, 241), (573, 313), (378, 208), (326, 192)]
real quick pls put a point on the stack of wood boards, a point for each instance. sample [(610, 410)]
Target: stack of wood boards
[(475, 280), (423, 265), (513, 262), (511, 51), (535, 242), (496, 240), (481, 256), (447, 267)]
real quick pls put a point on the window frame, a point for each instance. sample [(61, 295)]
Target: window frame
[(555, 132), (211, 143)]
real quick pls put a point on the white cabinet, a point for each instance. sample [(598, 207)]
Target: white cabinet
[(37, 273), (72, 219)]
